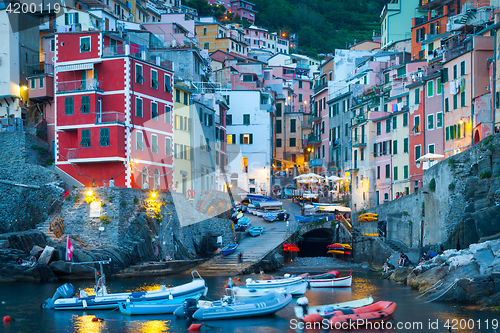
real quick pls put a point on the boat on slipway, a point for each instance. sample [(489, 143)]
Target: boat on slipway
[(65, 297)]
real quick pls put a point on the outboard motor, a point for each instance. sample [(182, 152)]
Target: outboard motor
[(64, 291), (303, 302), (230, 283), (190, 307)]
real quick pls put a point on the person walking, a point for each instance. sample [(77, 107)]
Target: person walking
[(240, 260)]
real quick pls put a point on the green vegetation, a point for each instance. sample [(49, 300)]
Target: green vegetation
[(104, 219), (50, 162), (451, 162), (136, 200), (485, 174), (404, 213), (432, 185), (123, 203), (451, 186), (68, 198), (76, 198), (110, 199), (40, 150), (103, 204), (487, 140), (490, 147)]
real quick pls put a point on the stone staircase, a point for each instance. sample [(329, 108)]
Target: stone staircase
[(47, 227)]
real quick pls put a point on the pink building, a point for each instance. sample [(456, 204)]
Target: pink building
[(244, 9), (433, 114)]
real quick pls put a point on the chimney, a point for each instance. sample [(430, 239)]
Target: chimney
[(497, 18), (158, 61)]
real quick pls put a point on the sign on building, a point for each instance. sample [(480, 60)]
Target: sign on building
[(95, 209)]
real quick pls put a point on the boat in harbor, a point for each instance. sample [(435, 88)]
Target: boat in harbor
[(315, 218), (228, 249), (165, 306), (329, 280), (256, 231), (376, 312), (274, 283), (303, 309), (65, 297), (296, 290)]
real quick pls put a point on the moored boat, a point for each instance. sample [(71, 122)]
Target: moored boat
[(227, 250), (270, 217), (376, 312), (255, 231), (328, 280), (296, 290), (303, 309), (154, 307), (274, 283), (315, 218)]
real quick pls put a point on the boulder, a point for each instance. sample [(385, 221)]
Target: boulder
[(36, 251), (484, 258), (493, 300), (40, 273), (400, 274), (426, 279), (46, 255), (64, 268), (438, 260)]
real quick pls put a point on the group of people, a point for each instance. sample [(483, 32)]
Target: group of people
[(400, 195), (32, 262), (403, 260)]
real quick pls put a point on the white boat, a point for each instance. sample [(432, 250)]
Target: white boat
[(329, 282), (153, 307), (64, 298), (274, 283), (229, 308), (300, 309), (296, 290)]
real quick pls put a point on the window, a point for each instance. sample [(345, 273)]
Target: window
[(417, 96), (186, 99), (362, 154), (154, 79), (387, 126), (378, 171), (40, 83), (405, 145), (416, 126), (168, 83), (154, 144), (138, 74), (85, 104), (431, 148), (138, 107), (387, 171), (430, 88), (168, 146), (52, 45), (278, 126), (68, 105), (156, 179), (439, 120), (293, 128), (455, 72), (395, 147), (462, 99), (322, 149), (439, 86), (430, 122), (178, 96), (154, 111), (278, 143), (455, 102), (417, 152), (300, 84), (446, 105), (462, 68), (401, 71), (229, 119), (379, 128), (395, 174), (346, 129), (386, 77), (405, 119), (104, 138), (405, 172), (138, 140), (246, 119), (293, 142), (168, 114), (447, 133), (231, 139), (278, 109), (85, 138), (246, 139), (84, 44), (300, 98), (444, 75), (394, 122)]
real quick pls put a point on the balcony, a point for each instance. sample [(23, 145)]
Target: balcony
[(320, 87), (359, 119), (45, 92), (317, 162), (39, 69), (79, 85), (334, 165), (359, 141), (110, 117), (334, 143), (313, 139), (314, 118), (109, 51)]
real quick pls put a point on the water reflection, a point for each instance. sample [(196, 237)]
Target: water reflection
[(152, 326), (84, 324)]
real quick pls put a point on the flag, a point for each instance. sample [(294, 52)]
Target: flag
[(69, 249)]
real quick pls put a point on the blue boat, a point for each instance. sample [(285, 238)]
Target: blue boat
[(165, 306), (227, 250), (315, 218), (270, 217), (242, 224), (258, 197), (256, 231)]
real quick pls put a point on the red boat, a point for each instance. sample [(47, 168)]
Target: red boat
[(376, 312)]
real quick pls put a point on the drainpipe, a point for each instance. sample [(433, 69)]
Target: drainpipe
[(133, 121), (471, 96), (493, 85)]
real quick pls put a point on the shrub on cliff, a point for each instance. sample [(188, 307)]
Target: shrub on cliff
[(432, 185)]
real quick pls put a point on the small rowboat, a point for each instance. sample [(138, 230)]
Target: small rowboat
[(329, 281), (338, 245), (296, 290), (270, 217), (227, 250), (243, 224), (273, 283), (256, 231), (313, 312), (376, 312)]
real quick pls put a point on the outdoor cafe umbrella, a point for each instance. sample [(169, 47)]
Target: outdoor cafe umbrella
[(308, 175), (429, 157), (334, 178)]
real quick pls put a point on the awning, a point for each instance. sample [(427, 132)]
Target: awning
[(334, 208), (75, 67)]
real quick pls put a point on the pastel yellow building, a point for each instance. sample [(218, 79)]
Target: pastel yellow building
[(182, 147), (213, 36)]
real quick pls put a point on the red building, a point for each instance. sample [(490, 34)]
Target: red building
[(113, 112)]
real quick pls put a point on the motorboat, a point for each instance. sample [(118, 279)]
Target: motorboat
[(154, 307), (296, 290), (65, 297), (376, 312), (274, 283), (329, 280), (230, 308), (314, 312)]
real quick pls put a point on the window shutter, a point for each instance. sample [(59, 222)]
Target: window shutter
[(242, 140), (234, 138), (251, 139), (76, 18), (66, 19)]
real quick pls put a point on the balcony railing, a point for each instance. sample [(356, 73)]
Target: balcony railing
[(359, 119), (335, 165), (317, 162), (320, 87), (110, 117), (359, 140), (80, 85), (313, 138), (39, 69), (113, 50)]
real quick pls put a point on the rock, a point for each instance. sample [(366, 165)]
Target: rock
[(400, 274), (426, 279), (459, 260), (46, 255), (484, 258), (493, 300), (36, 251), (40, 273), (4, 244), (438, 260), (64, 268)]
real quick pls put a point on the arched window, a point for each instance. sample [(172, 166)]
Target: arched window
[(144, 176), (157, 179), (386, 196)]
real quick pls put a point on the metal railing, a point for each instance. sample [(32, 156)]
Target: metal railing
[(110, 117), (79, 85), (113, 50), (40, 68), (359, 140)]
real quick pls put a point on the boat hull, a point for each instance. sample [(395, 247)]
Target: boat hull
[(376, 312), (229, 249), (299, 310), (343, 282), (296, 290), (256, 231), (277, 283), (154, 307)]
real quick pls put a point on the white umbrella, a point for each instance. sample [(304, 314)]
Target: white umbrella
[(334, 178), (308, 175), (310, 180), (334, 208), (429, 157)]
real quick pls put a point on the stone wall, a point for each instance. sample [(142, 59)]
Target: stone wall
[(21, 159)]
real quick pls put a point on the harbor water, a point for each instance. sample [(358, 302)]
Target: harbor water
[(23, 302)]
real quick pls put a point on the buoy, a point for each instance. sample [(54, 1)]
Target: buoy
[(238, 279), (95, 319), (225, 286), (195, 327), (7, 319)]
